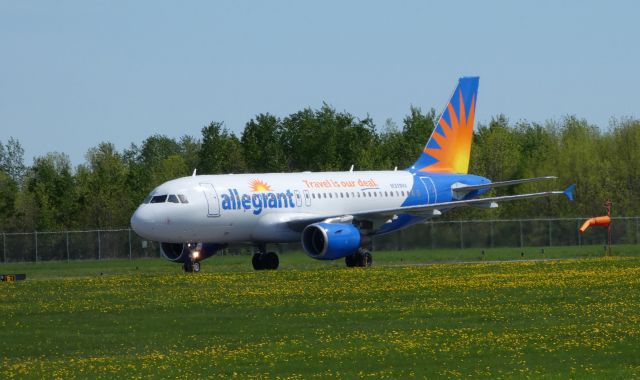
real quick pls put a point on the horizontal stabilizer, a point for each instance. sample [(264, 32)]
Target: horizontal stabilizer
[(569, 192), (467, 188)]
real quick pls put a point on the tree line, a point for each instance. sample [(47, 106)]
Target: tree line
[(104, 191)]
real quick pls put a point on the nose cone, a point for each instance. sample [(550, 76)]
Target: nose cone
[(143, 222)]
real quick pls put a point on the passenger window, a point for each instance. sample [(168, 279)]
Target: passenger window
[(173, 199), (386, 194), (159, 199), (330, 195), (341, 195), (183, 198)]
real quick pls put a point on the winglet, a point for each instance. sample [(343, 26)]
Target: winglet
[(569, 192)]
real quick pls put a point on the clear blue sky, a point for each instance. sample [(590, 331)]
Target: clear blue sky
[(75, 73)]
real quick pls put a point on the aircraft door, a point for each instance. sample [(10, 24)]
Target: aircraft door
[(430, 188), (298, 198), (307, 198), (213, 202)]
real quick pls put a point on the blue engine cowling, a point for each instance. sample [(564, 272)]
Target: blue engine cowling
[(330, 241)]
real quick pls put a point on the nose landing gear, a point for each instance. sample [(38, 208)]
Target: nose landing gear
[(191, 266), (192, 263)]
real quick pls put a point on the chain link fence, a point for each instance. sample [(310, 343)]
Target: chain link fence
[(126, 244)]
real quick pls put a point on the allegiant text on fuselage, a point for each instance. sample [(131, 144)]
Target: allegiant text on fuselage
[(232, 200)]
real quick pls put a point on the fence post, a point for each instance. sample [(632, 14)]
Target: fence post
[(68, 247), (4, 247), (433, 243), (99, 247), (637, 230), (36, 236), (491, 233), (579, 237), (521, 240), (549, 232), (129, 243), (461, 236)]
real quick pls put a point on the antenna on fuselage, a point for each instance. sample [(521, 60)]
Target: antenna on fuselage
[(194, 172), (351, 169)]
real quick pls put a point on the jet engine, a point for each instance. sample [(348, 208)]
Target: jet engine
[(330, 241), (182, 252)]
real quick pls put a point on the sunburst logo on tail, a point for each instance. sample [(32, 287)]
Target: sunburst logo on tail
[(453, 139), (258, 185), (449, 148)]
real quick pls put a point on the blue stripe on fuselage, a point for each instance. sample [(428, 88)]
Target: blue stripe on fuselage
[(422, 195), (429, 188)]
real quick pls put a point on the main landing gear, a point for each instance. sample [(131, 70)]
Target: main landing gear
[(264, 260), (362, 258)]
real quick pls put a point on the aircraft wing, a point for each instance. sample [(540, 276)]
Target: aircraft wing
[(299, 222), (490, 202)]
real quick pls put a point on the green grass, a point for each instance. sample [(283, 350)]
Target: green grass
[(144, 318)]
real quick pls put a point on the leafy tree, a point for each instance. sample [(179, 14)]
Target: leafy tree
[(12, 160), (358, 145), (102, 190), (190, 152), (498, 151), (417, 128), (221, 151), (391, 146), (8, 194), (262, 144), (51, 185)]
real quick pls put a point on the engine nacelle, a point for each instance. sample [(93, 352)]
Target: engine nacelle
[(330, 241), (180, 252)]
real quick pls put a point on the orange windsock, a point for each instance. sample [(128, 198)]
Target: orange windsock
[(600, 221)]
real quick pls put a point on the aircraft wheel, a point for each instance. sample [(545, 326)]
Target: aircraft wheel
[(196, 267), (272, 260), (350, 261), (258, 261)]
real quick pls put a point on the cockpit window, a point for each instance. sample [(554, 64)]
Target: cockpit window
[(159, 199), (173, 199), (183, 198)]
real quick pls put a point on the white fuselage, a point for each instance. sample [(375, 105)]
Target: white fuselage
[(256, 207)]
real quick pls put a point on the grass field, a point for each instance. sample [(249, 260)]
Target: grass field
[(144, 318)]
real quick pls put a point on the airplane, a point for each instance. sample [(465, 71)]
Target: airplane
[(333, 214)]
